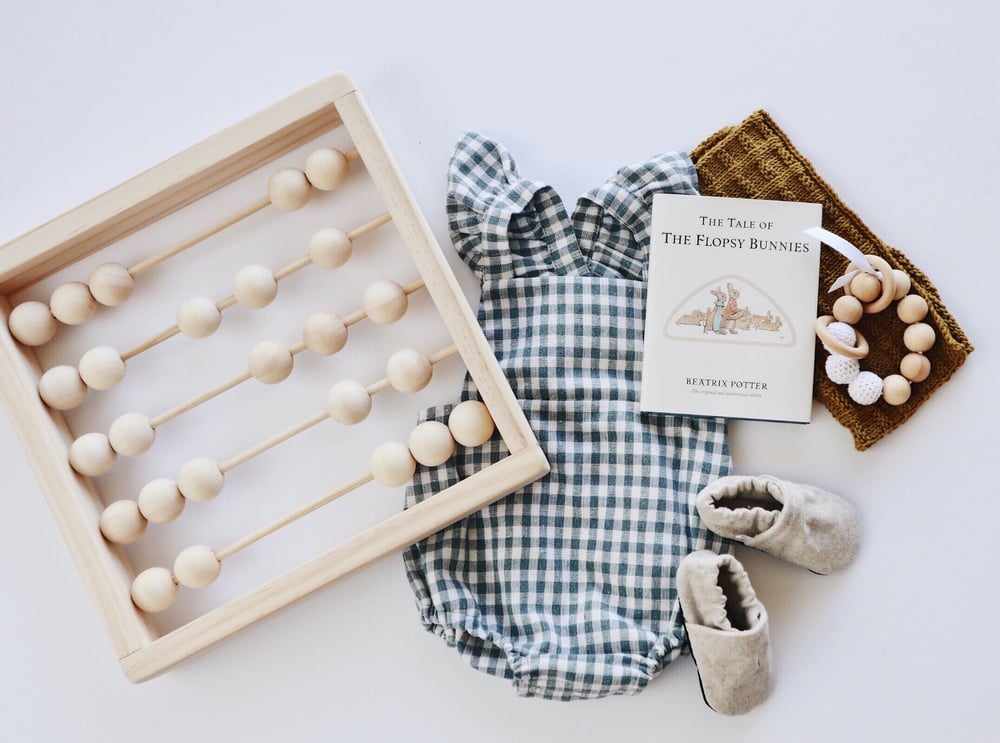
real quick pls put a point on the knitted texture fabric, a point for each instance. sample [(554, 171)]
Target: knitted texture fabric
[(567, 586), (756, 160)]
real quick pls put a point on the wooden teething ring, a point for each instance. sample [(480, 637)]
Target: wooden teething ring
[(858, 351), (888, 287)]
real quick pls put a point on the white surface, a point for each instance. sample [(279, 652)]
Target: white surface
[(897, 107)]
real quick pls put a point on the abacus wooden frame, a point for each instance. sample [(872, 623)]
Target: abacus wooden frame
[(76, 505)]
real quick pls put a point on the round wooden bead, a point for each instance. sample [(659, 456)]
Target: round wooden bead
[(327, 168), (131, 434), (470, 423), (160, 501), (289, 189), (72, 303), (895, 389), (330, 248), (101, 368), (392, 464), (912, 308), (32, 323), (848, 309), (198, 317), (348, 402), (385, 302), (92, 455), (915, 366), (122, 523), (200, 479), (431, 443), (409, 370), (324, 333), (255, 287), (61, 387), (271, 362), (919, 337), (903, 283), (197, 566), (154, 590), (111, 284), (866, 388), (866, 287)]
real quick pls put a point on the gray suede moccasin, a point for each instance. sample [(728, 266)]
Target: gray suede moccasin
[(728, 631), (799, 523)]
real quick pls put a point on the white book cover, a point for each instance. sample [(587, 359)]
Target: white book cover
[(730, 308)]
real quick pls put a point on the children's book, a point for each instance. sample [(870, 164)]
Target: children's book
[(730, 308)]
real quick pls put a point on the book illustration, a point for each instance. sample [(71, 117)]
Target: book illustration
[(743, 314)]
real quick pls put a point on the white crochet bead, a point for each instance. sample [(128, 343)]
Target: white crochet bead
[(842, 332), (866, 388), (840, 369)]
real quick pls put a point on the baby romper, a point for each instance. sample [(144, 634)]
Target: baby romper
[(567, 586)]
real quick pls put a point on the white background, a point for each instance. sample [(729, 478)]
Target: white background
[(896, 104)]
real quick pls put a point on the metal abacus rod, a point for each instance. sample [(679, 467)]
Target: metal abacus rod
[(392, 464), (103, 367), (34, 323), (201, 479)]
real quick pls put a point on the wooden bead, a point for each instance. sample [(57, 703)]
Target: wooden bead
[(392, 464), (903, 283), (101, 368), (72, 303), (255, 287), (92, 455), (198, 317), (160, 501), (111, 284), (470, 423), (866, 287), (289, 189), (324, 333), (330, 248), (131, 434), (848, 309), (200, 479), (122, 522), (919, 337), (431, 443), (915, 366), (895, 389), (409, 370), (154, 590), (912, 308), (61, 387), (327, 168), (348, 402), (385, 302), (197, 566), (271, 362), (32, 323)]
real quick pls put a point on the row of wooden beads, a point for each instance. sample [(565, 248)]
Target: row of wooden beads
[(202, 479), (35, 323), (270, 362), (870, 294), (392, 464), (101, 368)]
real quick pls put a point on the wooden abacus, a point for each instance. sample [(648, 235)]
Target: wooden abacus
[(45, 405)]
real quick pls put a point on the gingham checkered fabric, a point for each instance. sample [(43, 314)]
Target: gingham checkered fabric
[(567, 586)]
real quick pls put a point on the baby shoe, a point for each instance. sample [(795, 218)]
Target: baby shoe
[(728, 632), (799, 523)]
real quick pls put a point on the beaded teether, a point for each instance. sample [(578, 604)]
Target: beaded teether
[(871, 293)]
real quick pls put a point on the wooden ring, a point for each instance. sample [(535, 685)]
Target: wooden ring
[(888, 285), (858, 351)]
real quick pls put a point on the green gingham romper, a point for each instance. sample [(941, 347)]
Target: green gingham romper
[(567, 586)]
